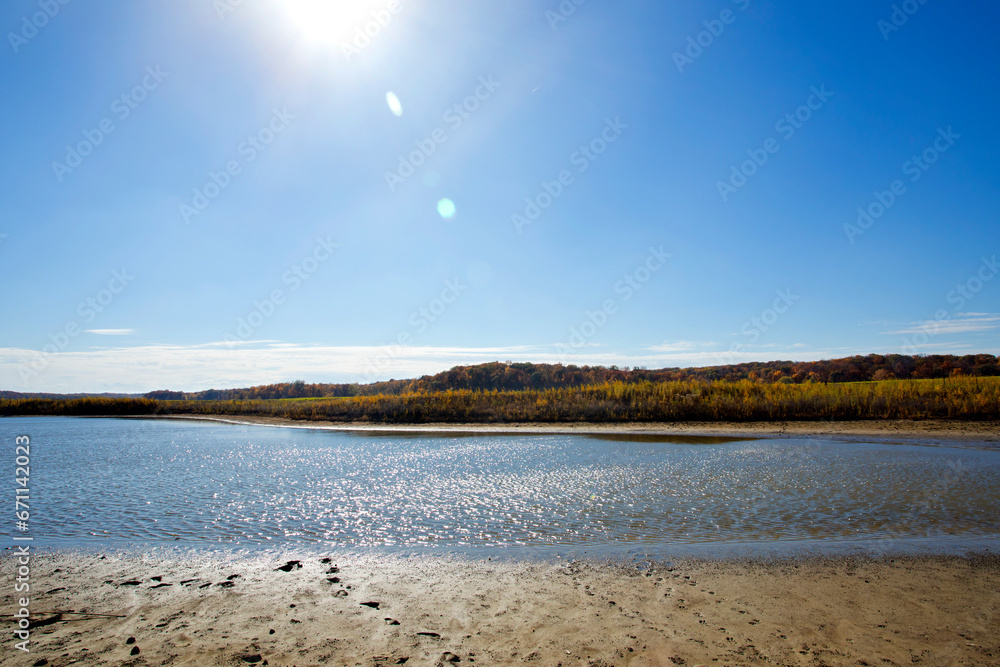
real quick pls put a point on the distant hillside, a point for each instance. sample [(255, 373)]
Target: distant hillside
[(524, 376), (19, 394)]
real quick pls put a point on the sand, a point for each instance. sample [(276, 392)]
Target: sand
[(196, 609), (982, 432)]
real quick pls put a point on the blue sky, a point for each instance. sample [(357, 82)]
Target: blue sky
[(204, 194)]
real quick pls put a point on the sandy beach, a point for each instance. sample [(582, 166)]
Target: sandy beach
[(986, 432), (351, 610)]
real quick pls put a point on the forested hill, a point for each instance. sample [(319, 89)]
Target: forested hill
[(520, 376), (19, 395)]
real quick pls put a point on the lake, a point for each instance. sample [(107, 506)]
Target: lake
[(109, 483)]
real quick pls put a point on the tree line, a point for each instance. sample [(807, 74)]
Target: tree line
[(957, 397), (508, 376)]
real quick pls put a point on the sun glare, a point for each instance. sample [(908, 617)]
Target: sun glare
[(394, 104), (331, 21)]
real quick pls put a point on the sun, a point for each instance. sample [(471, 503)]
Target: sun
[(332, 21)]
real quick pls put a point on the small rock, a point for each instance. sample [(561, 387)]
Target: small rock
[(130, 583), (450, 657), (325, 561), (432, 635), (333, 580), (130, 640), (391, 621), (271, 631), (253, 657), (40, 662), (373, 605), (156, 579), (134, 651), (340, 594), (333, 570), (289, 566)]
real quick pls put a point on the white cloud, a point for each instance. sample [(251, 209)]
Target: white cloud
[(959, 324), (675, 346), (225, 365), (111, 332)]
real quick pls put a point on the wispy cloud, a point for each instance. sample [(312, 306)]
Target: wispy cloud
[(959, 324), (111, 332), (677, 346), (221, 365)]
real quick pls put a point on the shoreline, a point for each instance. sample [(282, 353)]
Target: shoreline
[(377, 610), (945, 429)]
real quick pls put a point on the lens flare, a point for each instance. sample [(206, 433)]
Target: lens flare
[(395, 106), (446, 208)]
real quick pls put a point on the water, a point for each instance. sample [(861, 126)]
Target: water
[(124, 483)]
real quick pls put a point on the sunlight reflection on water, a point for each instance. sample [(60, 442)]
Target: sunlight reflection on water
[(131, 481)]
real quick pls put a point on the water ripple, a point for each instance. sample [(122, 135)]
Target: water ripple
[(112, 481)]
